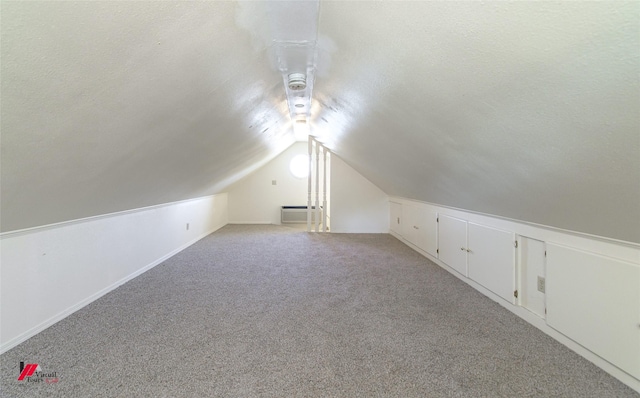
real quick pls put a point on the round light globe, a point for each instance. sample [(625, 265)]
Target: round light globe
[(299, 166)]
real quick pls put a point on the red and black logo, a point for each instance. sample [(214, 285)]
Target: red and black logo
[(27, 371), (33, 373)]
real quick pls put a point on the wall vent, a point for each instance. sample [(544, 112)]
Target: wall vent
[(297, 214)]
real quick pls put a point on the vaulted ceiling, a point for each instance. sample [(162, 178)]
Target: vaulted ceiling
[(527, 110)]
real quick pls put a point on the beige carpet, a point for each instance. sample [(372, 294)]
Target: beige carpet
[(275, 312)]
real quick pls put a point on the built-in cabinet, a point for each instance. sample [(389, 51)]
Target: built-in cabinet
[(420, 227), (491, 257), (395, 217), (588, 297), (595, 300), (532, 275), (483, 254), (453, 243)]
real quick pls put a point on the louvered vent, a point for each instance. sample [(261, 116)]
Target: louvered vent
[(297, 214)]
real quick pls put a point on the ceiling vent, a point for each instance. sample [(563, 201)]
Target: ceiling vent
[(297, 81)]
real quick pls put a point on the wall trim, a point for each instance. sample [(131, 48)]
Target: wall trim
[(18, 232), (83, 303)]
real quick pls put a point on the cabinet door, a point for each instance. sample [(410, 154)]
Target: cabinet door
[(595, 301), (532, 275), (452, 243), (421, 228), (431, 233), (395, 218), (492, 259), (409, 223)]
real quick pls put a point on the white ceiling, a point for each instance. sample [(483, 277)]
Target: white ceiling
[(528, 110)]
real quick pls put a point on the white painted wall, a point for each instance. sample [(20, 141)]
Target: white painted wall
[(578, 281), (357, 206), (255, 200), (52, 271)]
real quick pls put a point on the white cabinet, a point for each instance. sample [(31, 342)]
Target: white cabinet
[(420, 227), (395, 218), (531, 271), (595, 301), (452, 243), (590, 298), (491, 259), (486, 255)]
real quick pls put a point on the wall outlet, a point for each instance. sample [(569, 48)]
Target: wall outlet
[(274, 182), (187, 226), (541, 284)]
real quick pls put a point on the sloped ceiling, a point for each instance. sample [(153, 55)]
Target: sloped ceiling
[(527, 110), (109, 106)]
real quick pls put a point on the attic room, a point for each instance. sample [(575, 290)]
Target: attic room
[(319, 198)]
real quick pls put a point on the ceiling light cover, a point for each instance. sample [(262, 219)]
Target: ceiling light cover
[(297, 81)]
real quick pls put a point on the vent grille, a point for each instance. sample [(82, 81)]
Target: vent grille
[(297, 214)]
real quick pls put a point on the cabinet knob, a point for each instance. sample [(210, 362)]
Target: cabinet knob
[(462, 248)]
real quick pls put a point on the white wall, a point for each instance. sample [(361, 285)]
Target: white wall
[(612, 258), (357, 206), (51, 271), (255, 200)]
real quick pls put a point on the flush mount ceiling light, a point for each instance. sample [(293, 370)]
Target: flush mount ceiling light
[(297, 81)]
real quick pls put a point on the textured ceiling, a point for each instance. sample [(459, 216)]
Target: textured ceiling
[(109, 106), (527, 110)]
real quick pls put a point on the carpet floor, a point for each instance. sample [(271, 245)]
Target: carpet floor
[(269, 311)]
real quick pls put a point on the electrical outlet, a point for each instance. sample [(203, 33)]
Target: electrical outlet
[(541, 284), (274, 182), (187, 226)]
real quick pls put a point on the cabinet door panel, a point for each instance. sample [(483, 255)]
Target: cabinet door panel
[(395, 220), (452, 243), (431, 233), (421, 228), (492, 259), (595, 301), (409, 230), (532, 265)]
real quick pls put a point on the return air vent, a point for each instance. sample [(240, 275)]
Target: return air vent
[(297, 214)]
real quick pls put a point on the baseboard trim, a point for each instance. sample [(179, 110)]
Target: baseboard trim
[(83, 303), (535, 321)]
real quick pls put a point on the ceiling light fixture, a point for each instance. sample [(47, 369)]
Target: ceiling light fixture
[(297, 81)]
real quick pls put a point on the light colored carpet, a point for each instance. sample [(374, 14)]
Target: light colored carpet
[(275, 312)]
